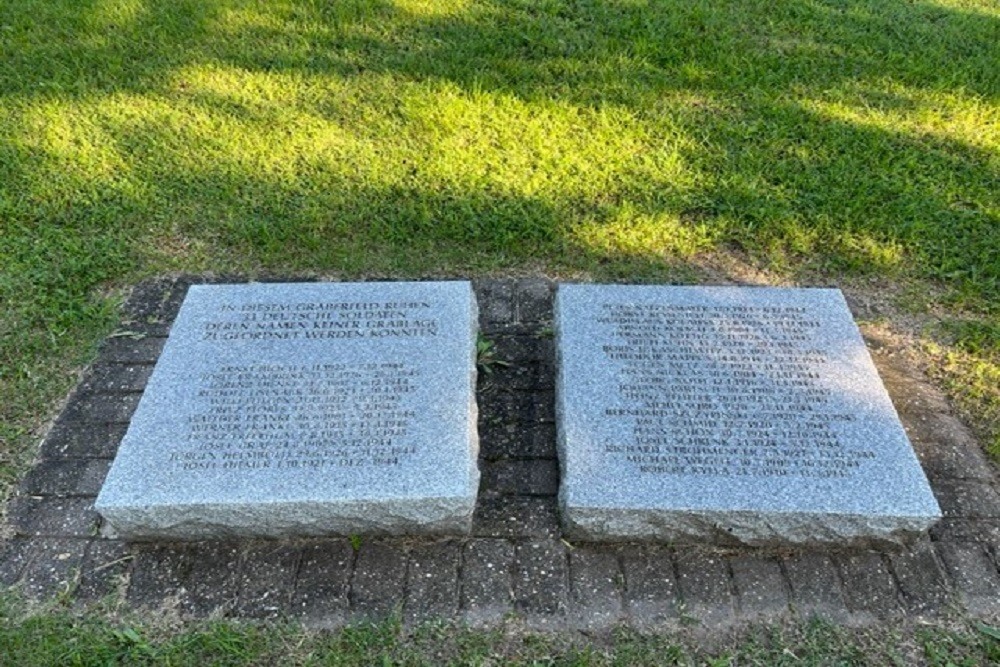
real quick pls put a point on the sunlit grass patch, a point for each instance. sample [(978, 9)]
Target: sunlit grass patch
[(942, 115), (975, 384), (969, 366), (660, 236), (433, 7)]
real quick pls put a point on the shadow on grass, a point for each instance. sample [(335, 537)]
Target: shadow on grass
[(628, 53), (582, 52), (770, 172)]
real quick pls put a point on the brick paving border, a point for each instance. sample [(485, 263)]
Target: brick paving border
[(515, 562)]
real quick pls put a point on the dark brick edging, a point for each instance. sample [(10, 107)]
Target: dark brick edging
[(515, 562)]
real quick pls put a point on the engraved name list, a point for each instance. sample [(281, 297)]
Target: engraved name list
[(294, 409), (274, 415), (728, 390)]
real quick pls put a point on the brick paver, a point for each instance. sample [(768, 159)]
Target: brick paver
[(595, 590), (486, 593), (706, 588), (515, 561), (267, 575), (871, 591), (432, 581), (320, 581), (761, 588), (651, 593), (815, 585)]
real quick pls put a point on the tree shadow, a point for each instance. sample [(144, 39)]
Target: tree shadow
[(863, 207), (83, 48), (580, 52), (626, 53), (768, 171)]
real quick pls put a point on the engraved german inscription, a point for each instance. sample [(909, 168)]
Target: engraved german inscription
[(290, 416), (724, 391), (724, 415), (316, 321), (304, 409), (262, 416)]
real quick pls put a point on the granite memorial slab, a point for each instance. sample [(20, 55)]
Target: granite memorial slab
[(305, 409), (732, 415)]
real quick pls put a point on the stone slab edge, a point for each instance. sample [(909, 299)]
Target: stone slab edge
[(425, 516), (726, 528)]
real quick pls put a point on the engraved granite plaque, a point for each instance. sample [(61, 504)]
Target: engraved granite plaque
[(729, 415), (305, 409)]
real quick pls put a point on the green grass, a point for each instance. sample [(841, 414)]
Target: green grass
[(615, 139), (974, 385), (61, 638)]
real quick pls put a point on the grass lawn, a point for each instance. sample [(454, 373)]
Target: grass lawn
[(59, 638), (843, 142)]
